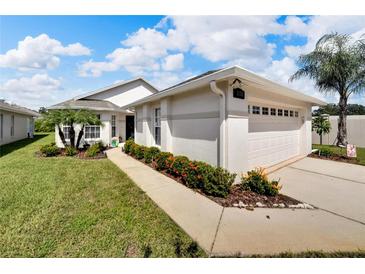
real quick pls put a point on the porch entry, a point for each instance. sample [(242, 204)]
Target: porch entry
[(129, 127)]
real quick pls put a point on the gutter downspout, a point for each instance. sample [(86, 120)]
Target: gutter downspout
[(222, 116)]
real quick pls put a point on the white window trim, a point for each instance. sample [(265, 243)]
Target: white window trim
[(92, 138), (156, 125), (64, 132), (113, 125)]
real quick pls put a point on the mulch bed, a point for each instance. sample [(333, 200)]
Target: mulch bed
[(335, 157), (249, 199), (243, 198)]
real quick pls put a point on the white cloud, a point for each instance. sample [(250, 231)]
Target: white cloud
[(41, 52), (232, 39), (35, 91), (173, 62)]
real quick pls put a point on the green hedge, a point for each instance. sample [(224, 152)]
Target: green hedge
[(214, 181), (257, 181), (49, 150)]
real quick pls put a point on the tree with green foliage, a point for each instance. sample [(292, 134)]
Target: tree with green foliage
[(333, 109), (337, 66), (70, 117), (321, 125)]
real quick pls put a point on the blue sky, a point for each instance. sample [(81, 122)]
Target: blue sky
[(48, 59)]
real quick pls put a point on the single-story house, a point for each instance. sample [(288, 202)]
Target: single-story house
[(108, 104), (231, 118), (16, 122)]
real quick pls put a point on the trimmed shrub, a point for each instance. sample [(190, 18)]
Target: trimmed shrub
[(93, 150), (70, 151), (257, 181), (128, 145), (325, 152), (219, 182), (49, 150), (163, 160), (178, 167), (139, 151), (134, 148), (150, 154)]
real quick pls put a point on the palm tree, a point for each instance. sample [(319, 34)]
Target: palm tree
[(321, 126), (337, 65), (70, 117)]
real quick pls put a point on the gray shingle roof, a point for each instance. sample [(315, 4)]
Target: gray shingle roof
[(17, 109), (88, 104)]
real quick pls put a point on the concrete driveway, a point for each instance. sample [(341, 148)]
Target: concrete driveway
[(335, 187)]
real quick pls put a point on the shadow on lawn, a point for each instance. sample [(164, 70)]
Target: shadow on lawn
[(8, 148)]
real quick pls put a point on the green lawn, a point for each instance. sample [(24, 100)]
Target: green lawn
[(342, 151), (66, 207)]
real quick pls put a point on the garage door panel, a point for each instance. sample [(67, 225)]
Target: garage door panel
[(268, 148)]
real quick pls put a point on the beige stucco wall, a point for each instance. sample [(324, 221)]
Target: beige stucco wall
[(22, 126), (105, 130), (355, 131)]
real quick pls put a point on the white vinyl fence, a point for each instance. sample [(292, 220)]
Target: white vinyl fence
[(355, 131)]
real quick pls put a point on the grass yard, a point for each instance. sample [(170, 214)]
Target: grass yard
[(342, 151), (67, 207)]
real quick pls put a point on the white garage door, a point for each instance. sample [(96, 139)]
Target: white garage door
[(272, 138)]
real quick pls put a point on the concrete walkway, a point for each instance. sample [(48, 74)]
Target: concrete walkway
[(231, 231)]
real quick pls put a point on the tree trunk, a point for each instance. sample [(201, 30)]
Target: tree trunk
[(81, 133), (342, 131), (320, 139), (72, 136), (62, 136)]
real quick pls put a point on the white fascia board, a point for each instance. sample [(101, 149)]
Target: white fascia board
[(277, 88), (89, 108)]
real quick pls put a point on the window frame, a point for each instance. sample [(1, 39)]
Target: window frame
[(66, 133), (296, 114), (291, 113), (265, 111), (255, 109), (157, 126), (286, 113), (273, 111), (92, 130), (114, 125), (280, 112)]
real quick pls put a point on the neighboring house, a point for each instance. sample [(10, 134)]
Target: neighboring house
[(355, 125), (16, 122), (108, 104), (231, 118)]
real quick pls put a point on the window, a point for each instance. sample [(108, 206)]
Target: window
[(157, 126), (92, 131), (280, 112), (265, 111), (255, 110), (114, 128), (249, 109), (273, 111), (66, 132), (291, 113), (296, 114), (1, 125), (286, 113), (12, 125)]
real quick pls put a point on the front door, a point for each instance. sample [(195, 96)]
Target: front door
[(129, 127)]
